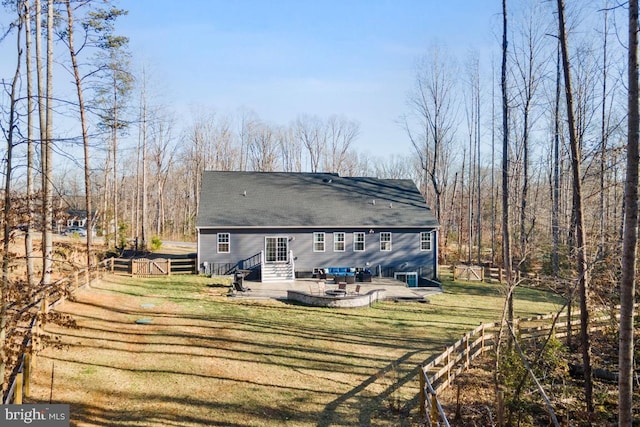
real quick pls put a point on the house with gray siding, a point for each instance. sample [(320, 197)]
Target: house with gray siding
[(276, 226)]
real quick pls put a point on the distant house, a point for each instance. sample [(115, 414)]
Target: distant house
[(72, 218), (76, 218), (278, 226)]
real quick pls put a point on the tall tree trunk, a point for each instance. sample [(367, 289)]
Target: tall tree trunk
[(47, 157), (107, 217), (114, 136), (493, 166), (603, 138), (507, 314), (141, 199), (555, 211), (478, 180), (28, 238), (506, 233), (85, 135), (472, 151), (525, 181), (6, 215), (583, 273), (630, 238), (41, 112), (461, 203), (145, 198)]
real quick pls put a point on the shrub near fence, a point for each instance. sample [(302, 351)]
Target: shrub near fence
[(19, 381), (438, 374)]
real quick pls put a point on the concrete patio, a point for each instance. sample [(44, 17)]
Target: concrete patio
[(394, 289)]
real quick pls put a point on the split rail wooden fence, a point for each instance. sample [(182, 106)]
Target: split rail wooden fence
[(438, 374), (19, 381), (56, 293)]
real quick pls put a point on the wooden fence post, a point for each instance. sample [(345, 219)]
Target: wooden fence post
[(27, 374), (17, 394), (458, 406), (500, 398), (33, 351), (448, 368), (434, 409), (466, 350), (423, 395)]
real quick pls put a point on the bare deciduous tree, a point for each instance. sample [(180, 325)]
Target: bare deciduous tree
[(432, 121), (581, 241), (310, 131), (506, 235), (263, 149), (529, 72), (630, 238), (9, 133), (162, 150), (341, 134), (290, 149)]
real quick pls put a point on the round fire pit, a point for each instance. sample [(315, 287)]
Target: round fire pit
[(336, 292)]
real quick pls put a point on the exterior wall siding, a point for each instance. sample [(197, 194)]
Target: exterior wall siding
[(404, 256)]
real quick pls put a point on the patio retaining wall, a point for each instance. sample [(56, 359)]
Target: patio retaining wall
[(348, 301)]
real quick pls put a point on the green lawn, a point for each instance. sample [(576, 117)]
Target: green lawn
[(209, 360)]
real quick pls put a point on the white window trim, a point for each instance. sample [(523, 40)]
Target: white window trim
[(355, 241), (324, 241), (344, 241), (228, 243), (386, 241), (430, 234)]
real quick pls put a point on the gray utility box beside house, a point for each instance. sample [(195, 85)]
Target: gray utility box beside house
[(277, 226)]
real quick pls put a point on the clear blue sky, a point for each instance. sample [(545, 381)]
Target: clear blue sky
[(282, 58)]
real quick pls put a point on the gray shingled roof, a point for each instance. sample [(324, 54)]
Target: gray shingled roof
[(320, 200)]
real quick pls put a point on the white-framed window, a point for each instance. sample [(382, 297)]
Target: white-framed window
[(338, 242), (385, 241), (318, 242), (223, 243), (358, 241), (425, 241)]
